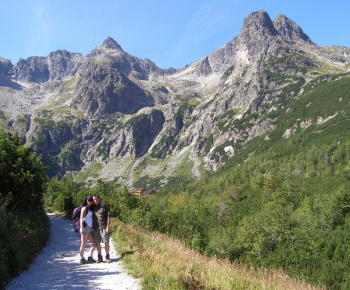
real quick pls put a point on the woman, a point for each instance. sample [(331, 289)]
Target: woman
[(86, 229)]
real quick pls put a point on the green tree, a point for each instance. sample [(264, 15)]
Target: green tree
[(63, 195), (116, 197), (22, 216), (22, 175)]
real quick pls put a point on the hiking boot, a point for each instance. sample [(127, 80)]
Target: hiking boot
[(91, 260), (99, 259), (108, 260), (82, 261)]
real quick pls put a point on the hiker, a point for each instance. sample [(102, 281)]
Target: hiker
[(100, 227), (86, 229)]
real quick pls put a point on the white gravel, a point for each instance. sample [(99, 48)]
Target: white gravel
[(58, 265)]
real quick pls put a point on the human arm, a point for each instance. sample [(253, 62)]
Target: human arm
[(82, 215), (107, 228)]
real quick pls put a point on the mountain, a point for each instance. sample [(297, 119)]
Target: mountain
[(112, 115)]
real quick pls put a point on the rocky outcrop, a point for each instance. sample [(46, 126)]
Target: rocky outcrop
[(289, 30), (258, 26), (5, 66), (105, 90), (145, 130), (62, 64), (58, 65), (32, 70), (110, 43), (111, 54)]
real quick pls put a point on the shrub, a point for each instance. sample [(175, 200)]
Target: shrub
[(22, 217)]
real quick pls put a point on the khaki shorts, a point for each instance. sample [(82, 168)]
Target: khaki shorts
[(100, 236), (87, 231)]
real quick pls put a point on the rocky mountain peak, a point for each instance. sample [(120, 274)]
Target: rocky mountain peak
[(110, 43), (59, 53), (258, 24), (112, 109), (5, 66), (32, 70), (289, 30)]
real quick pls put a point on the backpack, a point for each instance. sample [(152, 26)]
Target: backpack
[(76, 218)]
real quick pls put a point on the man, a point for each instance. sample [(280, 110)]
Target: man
[(100, 227)]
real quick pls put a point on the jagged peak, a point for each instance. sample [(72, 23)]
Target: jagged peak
[(5, 65), (4, 60), (289, 30), (60, 52), (110, 43), (259, 21)]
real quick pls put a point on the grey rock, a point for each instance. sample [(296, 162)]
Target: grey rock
[(5, 66), (289, 30)]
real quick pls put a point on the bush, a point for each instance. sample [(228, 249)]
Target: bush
[(22, 217), (63, 195), (22, 175)]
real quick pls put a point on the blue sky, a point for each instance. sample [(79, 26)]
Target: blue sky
[(170, 33)]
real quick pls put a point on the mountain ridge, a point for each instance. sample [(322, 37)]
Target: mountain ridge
[(111, 115)]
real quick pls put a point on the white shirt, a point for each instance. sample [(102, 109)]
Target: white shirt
[(88, 218)]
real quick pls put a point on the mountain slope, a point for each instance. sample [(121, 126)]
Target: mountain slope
[(112, 115)]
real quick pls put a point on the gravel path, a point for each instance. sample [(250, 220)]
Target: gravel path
[(58, 265)]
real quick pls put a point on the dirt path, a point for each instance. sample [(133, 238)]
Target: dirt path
[(58, 265)]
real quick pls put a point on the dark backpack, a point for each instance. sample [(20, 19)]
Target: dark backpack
[(76, 218)]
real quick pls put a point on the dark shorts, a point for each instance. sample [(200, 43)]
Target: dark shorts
[(100, 236)]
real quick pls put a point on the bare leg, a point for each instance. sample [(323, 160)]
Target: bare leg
[(83, 242), (107, 248), (92, 249), (98, 246)]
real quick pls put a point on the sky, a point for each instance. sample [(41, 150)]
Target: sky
[(171, 33)]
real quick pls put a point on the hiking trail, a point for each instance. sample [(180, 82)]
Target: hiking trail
[(57, 266)]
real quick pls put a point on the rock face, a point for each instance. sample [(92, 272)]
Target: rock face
[(105, 90), (31, 70), (290, 31), (111, 115), (5, 66), (37, 70)]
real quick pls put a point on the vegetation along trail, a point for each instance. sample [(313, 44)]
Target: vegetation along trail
[(58, 265)]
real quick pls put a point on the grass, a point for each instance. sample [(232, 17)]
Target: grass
[(161, 262), (80, 115), (93, 170)]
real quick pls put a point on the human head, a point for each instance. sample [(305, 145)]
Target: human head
[(96, 199), (88, 201)]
